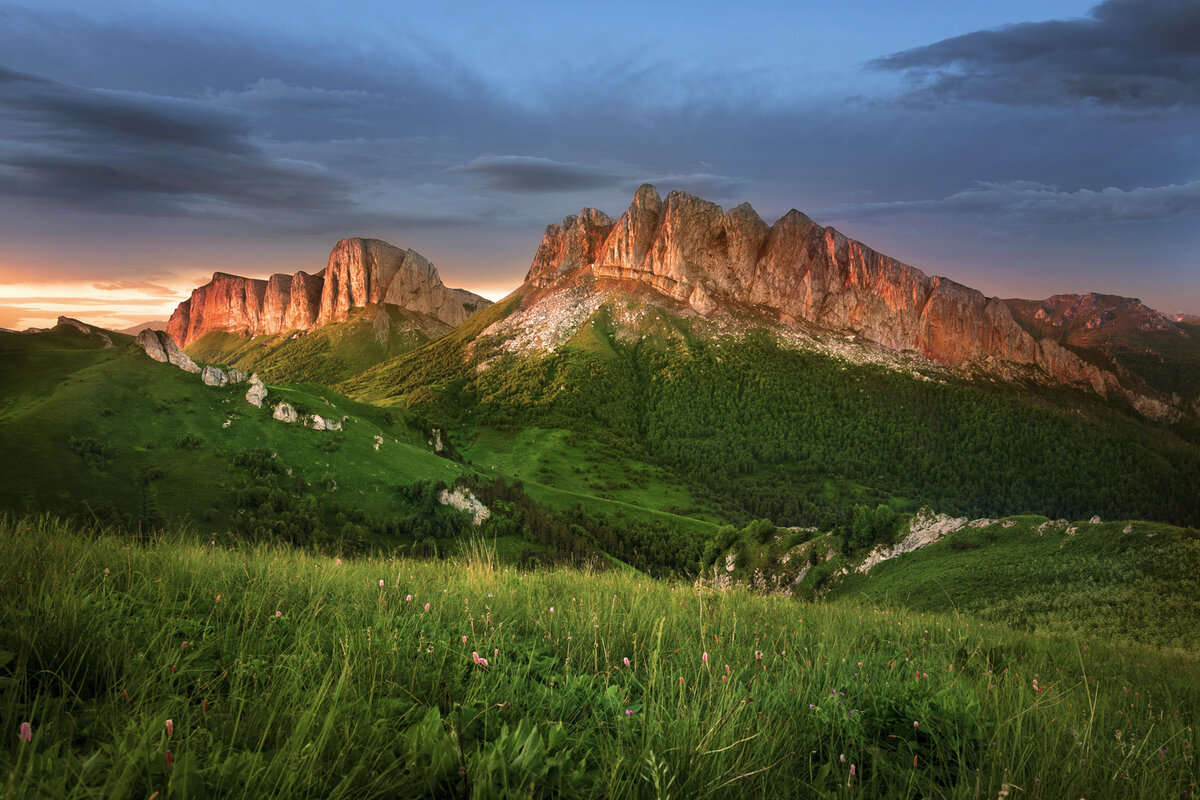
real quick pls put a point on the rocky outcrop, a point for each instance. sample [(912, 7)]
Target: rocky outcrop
[(464, 500), (360, 272), (799, 273), (84, 328), (257, 393), (924, 529), (161, 347)]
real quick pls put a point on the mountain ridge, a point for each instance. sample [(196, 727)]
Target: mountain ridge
[(804, 275)]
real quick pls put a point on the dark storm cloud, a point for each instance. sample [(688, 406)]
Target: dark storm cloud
[(1025, 201), (125, 115), (145, 154), (523, 174), (1130, 54), (533, 174)]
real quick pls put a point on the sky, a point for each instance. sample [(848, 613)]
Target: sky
[(1025, 148)]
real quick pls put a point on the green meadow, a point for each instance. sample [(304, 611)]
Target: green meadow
[(179, 667)]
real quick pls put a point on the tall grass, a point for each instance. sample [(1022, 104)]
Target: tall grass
[(288, 675)]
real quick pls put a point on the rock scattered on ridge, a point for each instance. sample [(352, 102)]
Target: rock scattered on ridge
[(285, 413), (257, 393), (212, 376), (160, 346)]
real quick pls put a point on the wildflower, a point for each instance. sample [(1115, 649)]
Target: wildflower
[(464, 639), (704, 657), (496, 652), (758, 655), (339, 562), (629, 712), (626, 662), (170, 761), (218, 598), (427, 606), (915, 724), (851, 770), (26, 732), (279, 613), (381, 583), (551, 609), (681, 680), (170, 727), (408, 598), (106, 570)]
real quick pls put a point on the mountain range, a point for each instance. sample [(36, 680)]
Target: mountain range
[(679, 367), (694, 258)]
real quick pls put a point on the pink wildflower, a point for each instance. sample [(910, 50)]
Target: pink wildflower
[(381, 583), (915, 724), (26, 732), (704, 657), (626, 662), (170, 727), (464, 639), (279, 613), (551, 609), (427, 606), (339, 562), (851, 770), (408, 598)]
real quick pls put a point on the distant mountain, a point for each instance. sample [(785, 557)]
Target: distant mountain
[(153, 325), (360, 272), (1123, 335)]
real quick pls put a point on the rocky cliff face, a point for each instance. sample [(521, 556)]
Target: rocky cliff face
[(799, 273), (360, 272)]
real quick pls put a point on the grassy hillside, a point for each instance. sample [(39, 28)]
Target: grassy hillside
[(109, 436), (190, 670), (756, 428), (326, 355), (1134, 582), (102, 431)]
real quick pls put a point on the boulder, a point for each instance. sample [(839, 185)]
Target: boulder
[(161, 347), (257, 393), (285, 413), (214, 377)]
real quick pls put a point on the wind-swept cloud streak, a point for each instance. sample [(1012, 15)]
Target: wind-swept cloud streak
[(1137, 55), (1026, 201)]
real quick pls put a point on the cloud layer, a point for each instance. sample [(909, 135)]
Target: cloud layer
[(1135, 55), (1026, 201)]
